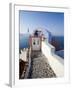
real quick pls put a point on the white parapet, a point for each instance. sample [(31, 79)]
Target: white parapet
[(56, 63), (23, 54)]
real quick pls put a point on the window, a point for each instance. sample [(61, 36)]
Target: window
[(34, 42)]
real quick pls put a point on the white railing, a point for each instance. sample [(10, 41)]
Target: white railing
[(56, 62)]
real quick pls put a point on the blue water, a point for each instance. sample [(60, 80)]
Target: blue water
[(23, 41), (58, 42), (59, 45), (60, 53)]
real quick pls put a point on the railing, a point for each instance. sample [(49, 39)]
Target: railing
[(56, 62)]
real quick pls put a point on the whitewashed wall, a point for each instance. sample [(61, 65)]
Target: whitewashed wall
[(55, 61), (23, 54)]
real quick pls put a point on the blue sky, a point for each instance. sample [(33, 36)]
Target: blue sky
[(53, 21)]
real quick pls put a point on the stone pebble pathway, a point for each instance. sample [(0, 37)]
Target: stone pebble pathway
[(40, 67)]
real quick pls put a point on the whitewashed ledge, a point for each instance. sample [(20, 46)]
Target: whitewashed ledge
[(23, 54), (25, 58), (56, 62)]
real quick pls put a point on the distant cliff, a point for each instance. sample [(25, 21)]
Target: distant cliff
[(58, 42)]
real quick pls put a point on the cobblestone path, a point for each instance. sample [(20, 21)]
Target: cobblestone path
[(40, 67)]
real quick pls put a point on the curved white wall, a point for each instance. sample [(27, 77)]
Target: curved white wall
[(56, 63)]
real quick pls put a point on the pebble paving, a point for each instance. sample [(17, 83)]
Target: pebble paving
[(40, 67)]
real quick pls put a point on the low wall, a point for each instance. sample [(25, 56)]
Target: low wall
[(56, 63), (29, 64), (26, 58), (23, 54)]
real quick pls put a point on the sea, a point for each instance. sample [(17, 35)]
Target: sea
[(60, 53), (59, 45), (23, 41)]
